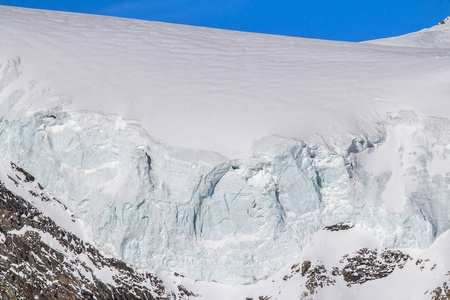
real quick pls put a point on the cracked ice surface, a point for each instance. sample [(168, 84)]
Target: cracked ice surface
[(169, 208)]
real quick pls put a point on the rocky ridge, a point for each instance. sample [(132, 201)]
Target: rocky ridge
[(358, 268), (41, 260)]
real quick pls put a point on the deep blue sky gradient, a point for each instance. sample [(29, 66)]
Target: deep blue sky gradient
[(345, 20)]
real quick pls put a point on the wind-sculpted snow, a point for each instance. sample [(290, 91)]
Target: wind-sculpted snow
[(224, 220)]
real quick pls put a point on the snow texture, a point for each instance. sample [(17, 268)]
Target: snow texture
[(217, 90), (146, 136)]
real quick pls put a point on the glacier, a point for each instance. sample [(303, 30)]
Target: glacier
[(231, 221), (110, 116)]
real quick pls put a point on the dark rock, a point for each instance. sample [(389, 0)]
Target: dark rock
[(32, 269), (317, 278), (340, 226), (305, 267), (28, 176), (368, 264), (441, 292)]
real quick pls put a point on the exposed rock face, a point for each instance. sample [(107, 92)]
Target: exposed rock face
[(357, 268), (317, 277), (447, 20), (40, 260), (368, 264), (441, 292), (340, 226)]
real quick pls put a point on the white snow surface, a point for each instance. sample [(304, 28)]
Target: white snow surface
[(218, 90), (435, 37), (413, 282), (220, 154)]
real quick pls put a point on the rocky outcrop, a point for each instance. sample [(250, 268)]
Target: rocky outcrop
[(358, 268), (441, 292), (40, 260), (447, 20), (369, 264), (340, 226)]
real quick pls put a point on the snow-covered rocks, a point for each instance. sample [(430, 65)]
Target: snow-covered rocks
[(41, 260), (446, 21)]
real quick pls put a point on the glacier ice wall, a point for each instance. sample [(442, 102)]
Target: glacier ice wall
[(223, 220)]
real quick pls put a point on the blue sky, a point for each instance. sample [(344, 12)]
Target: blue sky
[(346, 20)]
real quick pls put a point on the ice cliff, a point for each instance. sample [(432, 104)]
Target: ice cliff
[(231, 221)]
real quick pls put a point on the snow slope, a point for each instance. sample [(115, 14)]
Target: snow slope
[(218, 90), (435, 37), (220, 154)]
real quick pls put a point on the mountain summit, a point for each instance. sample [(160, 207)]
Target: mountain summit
[(446, 21)]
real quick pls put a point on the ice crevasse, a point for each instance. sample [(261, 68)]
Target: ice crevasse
[(230, 221)]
